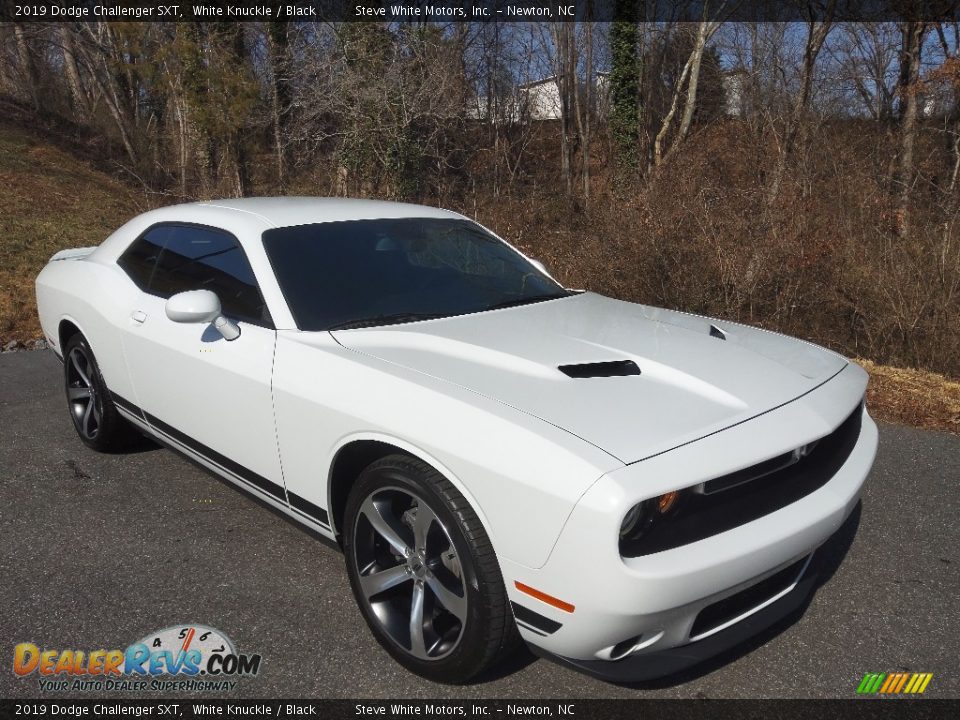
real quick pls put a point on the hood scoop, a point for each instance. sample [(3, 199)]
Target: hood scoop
[(717, 332), (611, 368)]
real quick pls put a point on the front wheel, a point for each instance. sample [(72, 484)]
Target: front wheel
[(423, 572)]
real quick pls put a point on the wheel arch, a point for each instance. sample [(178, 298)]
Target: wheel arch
[(66, 329), (357, 452)]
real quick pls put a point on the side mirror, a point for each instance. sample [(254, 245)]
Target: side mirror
[(201, 306)]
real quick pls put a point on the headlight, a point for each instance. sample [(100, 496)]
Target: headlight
[(642, 516), (631, 521)]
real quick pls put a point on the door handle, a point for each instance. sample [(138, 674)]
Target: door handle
[(138, 316)]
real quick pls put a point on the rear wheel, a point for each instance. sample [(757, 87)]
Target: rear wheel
[(95, 418), (423, 572)]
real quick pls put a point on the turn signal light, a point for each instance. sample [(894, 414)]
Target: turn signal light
[(543, 597), (666, 501)]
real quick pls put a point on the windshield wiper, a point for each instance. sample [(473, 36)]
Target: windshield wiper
[(390, 319), (524, 301)]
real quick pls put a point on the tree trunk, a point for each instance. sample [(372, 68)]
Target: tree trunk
[(27, 68), (590, 104), (78, 100), (796, 127), (240, 158), (910, 49), (624, 91), (280, 93), (704, 32), (98, 60), (565, 79), (668, 120)]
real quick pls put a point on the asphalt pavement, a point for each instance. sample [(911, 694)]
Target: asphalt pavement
[(97, 551)]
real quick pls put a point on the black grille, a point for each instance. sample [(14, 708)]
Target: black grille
[(749, 474), (699, 516), (725, 610)]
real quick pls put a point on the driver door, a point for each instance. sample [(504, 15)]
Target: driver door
[(203, 394)]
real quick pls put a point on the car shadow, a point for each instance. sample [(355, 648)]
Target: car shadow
[(141, 444), (827, 560)]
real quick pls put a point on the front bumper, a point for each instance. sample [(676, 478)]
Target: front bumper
[(635, 618), (670, 661)]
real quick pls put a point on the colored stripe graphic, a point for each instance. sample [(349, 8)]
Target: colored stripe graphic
[(888, 683), (865, 683), (894, 683), (901, 682)]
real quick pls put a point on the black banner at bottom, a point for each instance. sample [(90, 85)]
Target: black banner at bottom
[(853, 709)]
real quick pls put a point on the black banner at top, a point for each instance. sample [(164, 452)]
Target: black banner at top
[(445, 11)]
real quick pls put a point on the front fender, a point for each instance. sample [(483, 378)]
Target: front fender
[(521, 475)]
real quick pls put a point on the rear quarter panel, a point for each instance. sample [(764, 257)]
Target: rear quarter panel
[(97, 299)]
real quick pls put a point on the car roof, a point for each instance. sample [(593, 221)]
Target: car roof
[(283, 211), (240, 216)]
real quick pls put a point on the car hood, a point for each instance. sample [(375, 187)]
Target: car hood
[(693, 381)]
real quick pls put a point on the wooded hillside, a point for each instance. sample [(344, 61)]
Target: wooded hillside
[(798, 176)]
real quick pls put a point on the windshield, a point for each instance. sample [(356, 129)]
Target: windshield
[(363, 273)]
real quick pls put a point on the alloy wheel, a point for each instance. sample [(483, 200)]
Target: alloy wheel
[(82, 395), (410, 573)]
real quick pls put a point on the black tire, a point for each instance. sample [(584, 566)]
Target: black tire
[(95, 418), (456, 645)]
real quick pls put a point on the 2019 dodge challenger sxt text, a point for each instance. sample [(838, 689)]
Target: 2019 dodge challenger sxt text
[(627, 488)]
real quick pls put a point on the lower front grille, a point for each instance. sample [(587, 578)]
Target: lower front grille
[(723, 611)]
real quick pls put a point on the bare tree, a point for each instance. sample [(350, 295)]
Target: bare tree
[(78, 99), (817, 31), (868, 60), (279, 62), (27, 68), (689, 76), (911, 46)]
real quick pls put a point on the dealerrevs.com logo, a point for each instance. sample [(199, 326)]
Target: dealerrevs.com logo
[(187, 658)]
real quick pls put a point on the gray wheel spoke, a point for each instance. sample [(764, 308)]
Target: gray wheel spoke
[(376, 582), (417, 643), (385, 526), (453, 603), (80, 371), (421, 526), (78, 393), (87, 414)]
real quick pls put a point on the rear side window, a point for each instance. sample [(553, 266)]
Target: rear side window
[(176, 258), (139, 260)]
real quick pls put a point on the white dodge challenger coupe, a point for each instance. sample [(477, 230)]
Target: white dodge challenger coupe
[(628, 489)]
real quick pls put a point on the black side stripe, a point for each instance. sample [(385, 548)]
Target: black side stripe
[(258, 481), (534, 620), (305, 507), (268, 487), (126, 405)]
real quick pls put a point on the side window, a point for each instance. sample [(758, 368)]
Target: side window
[(194, 258), (139, 260)]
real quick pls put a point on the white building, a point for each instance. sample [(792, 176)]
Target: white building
[(540, 100)]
